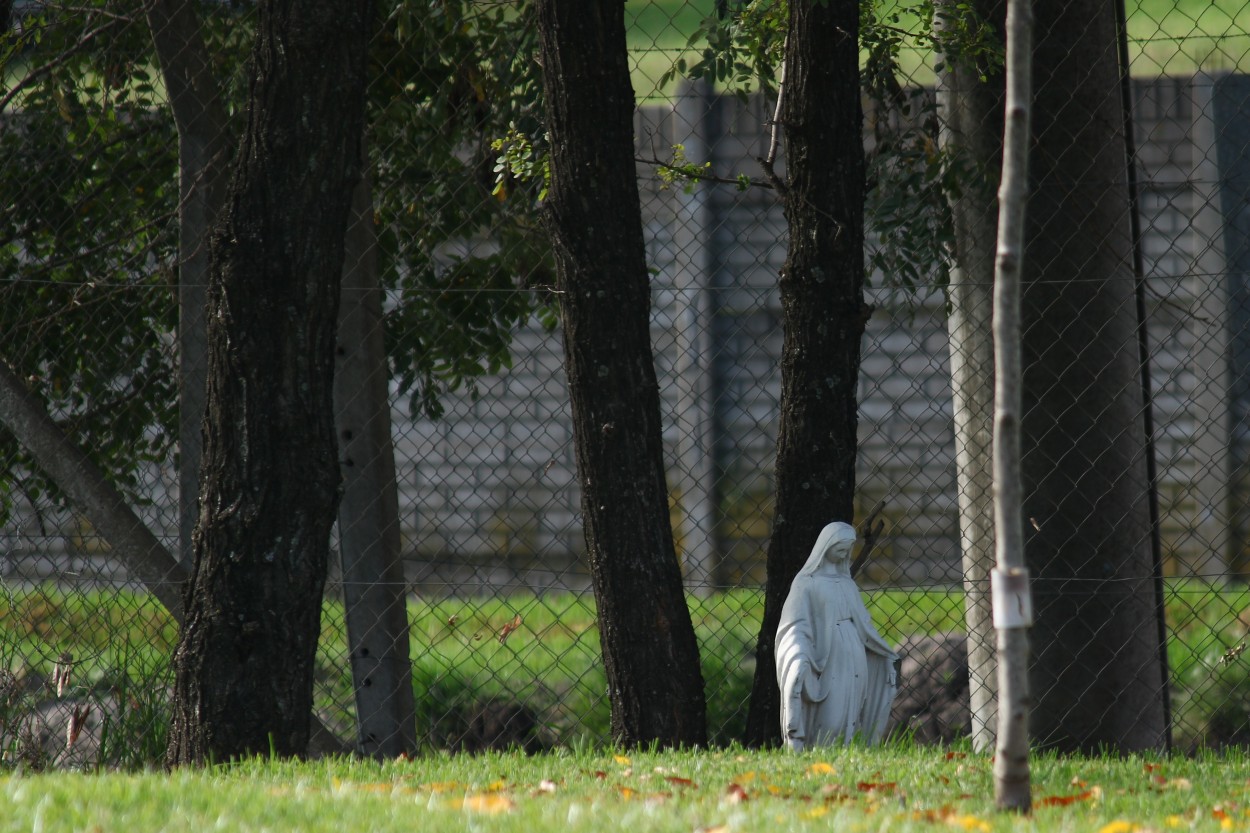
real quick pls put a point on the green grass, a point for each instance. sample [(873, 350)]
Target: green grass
[(1166, 37), (121, 645), (898, 788)]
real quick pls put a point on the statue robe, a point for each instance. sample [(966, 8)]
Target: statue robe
[(835, 671)]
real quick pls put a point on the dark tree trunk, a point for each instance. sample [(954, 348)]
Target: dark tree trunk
[(1097, 678), (649, 649), (270, 477), (823, 311)]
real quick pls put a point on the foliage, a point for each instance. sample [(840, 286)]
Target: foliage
[(1210, 667), (910, 180), (87, 239), (455, 92)]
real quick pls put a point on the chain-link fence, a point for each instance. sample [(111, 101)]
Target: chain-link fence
[(502, 644)]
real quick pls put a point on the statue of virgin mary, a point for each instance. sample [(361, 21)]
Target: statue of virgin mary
[(835, 671)]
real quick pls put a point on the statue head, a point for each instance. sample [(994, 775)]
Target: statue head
[(841, 539), (833, 546)]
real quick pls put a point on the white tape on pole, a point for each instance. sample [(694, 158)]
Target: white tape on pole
[(1011, 599)]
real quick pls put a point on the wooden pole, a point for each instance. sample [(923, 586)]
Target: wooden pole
[(1012, 601)]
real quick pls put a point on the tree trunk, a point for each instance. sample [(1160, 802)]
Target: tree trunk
[(270, 476), (1012, 605), (200, 115), (972, 129), (649, 649), (823, 312), (1096, 678)]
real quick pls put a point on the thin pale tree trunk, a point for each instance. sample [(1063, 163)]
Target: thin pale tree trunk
[(1011, 598), (970, 98), (203, 169)]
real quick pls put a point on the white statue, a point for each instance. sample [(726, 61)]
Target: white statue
[(835, 671)]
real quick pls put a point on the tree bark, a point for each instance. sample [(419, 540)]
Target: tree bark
[(823, 311), (1096, 678), (270, 477), (649, 649), (972, 129)]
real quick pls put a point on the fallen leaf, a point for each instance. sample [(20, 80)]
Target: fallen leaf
[(1119, 826), (626, 793), (600, 774), (509, 628), (680, 782), (1062, 800), (735, 794), (821, 768), (875, 786), (816, 812), (834, 792), (491, 803), (951, 756), (968, 823), (452, 620), (621, 759), (716, 828), (1148, 767), (443, 786), (546, 786)]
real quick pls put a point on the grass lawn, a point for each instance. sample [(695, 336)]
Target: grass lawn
[(1166, 37), (549, 663), (899, 788)]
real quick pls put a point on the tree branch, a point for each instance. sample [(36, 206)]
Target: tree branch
[(143, 555), (706, 176)]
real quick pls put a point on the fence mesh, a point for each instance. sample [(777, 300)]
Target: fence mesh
[(503, 642)]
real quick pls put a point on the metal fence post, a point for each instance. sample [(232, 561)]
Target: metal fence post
[(374, 588), (696, 446)]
